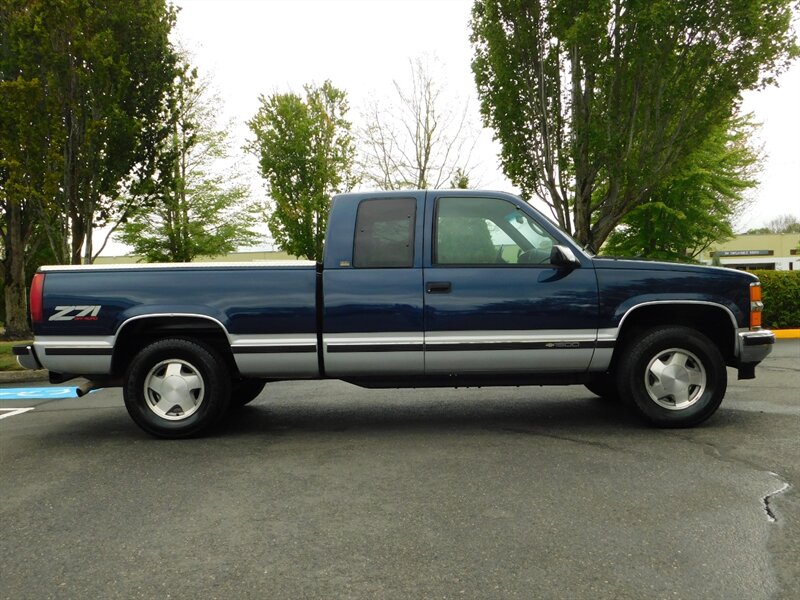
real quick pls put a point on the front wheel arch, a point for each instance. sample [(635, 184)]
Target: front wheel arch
[(714, 321)]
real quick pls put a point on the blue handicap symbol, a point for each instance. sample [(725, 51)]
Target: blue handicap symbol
[(40, 393)]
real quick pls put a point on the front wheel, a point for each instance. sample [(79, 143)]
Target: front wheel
[(177, 388), (673, 376)]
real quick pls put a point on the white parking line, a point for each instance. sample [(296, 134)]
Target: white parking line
[(10, 412)]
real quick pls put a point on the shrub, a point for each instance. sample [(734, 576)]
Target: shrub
[(781, 294)]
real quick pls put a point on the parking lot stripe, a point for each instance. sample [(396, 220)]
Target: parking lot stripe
[(10, 412)]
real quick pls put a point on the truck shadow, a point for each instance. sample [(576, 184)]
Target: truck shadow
[(564, 412), (512, 415)]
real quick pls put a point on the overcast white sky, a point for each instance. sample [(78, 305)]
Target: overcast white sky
[(261, 47)]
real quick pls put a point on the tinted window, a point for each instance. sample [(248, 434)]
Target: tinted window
[(488, 231), (385, 234)]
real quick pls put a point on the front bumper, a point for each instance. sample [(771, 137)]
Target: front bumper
[(26, 357), (755, 346)]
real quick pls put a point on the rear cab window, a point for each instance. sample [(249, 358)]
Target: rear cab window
[(384, 236)]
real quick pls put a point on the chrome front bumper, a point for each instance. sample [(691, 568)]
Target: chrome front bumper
[(754, 346), (26, 357)]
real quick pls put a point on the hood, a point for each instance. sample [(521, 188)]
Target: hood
[(611, 262)]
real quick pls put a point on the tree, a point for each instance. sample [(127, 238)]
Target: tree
[(191, 210), (426, 144), (781, 224), (784, 224), (306, 155), (697, 205), (111, 66), (80, 86), (25, 183), (460, 180), (595, 104)]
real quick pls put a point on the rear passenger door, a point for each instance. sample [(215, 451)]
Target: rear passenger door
[(372, 287)]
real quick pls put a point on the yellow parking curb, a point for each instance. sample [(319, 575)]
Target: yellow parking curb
[(787, 334)]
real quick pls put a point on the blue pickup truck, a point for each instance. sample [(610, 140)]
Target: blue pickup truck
[(425, 288)]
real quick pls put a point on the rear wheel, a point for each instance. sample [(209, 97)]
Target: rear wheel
[(177, 388), (673, 376)]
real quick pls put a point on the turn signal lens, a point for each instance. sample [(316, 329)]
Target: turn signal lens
[(756, 305)]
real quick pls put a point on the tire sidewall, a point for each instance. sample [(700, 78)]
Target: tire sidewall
[(631, 380), (212, 370)]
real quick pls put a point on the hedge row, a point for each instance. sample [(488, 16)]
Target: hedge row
[(781, 294)]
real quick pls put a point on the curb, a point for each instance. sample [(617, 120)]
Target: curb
[(787, 334), (22, 376)]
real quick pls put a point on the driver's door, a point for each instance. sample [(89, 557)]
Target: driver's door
[(493, 301)]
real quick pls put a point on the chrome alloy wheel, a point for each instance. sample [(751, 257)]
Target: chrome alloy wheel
[(675, 379), (174, 389)]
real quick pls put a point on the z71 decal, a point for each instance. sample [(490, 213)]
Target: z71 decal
[(76, 313)]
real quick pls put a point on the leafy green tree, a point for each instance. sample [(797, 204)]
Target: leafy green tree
[(30, 160), (697, 205), (306, 155), (460, 180), (191, 209), (758, 231), (597, 103), (80, 87), (110, 67)]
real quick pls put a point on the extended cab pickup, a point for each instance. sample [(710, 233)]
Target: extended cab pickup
[(425, 288)]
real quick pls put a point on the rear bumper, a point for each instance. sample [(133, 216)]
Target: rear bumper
[(26, 357)]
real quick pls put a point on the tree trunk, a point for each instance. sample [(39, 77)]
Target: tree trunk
[(78, 233), (88, 252), (15, 288)]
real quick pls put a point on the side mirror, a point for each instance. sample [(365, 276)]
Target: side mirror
[(561, 256)]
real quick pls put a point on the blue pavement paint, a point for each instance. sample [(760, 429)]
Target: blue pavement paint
[(40, 393)]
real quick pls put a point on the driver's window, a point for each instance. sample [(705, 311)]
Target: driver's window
[(488, 231)]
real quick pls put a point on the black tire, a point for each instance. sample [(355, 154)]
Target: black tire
[(177, 388), (672, 376), (604, 386), (245, 391)]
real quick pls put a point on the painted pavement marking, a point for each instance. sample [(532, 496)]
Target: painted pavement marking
[(40, 393), (10, 412)]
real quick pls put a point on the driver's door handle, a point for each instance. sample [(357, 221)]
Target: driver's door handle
[(438, 287)]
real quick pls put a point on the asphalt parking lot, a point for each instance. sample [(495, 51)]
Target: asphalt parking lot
[(325, 490)]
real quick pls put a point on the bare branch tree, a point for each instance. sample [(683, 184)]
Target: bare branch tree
[(416, 140), (787, 223)]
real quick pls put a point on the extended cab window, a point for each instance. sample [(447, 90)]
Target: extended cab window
[(488, 231), (385, 234)]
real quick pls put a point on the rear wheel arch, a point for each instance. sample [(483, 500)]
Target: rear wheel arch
[(139, 332)]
